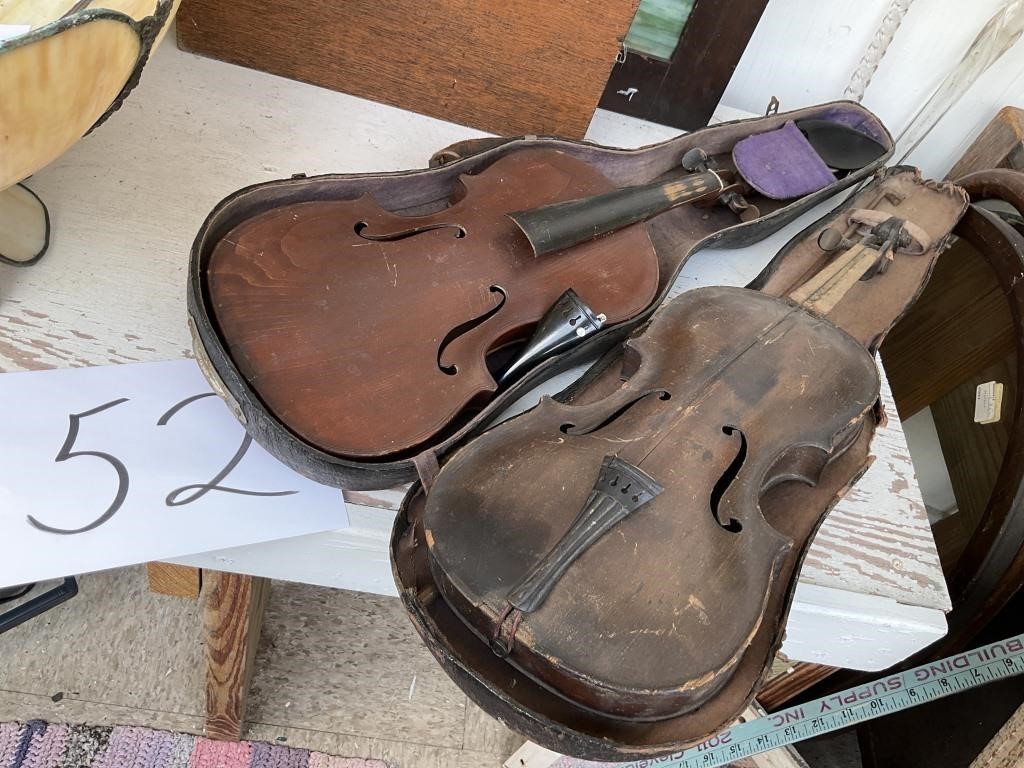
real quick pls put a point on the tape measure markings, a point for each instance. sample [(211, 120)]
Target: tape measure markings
[(935, 680)]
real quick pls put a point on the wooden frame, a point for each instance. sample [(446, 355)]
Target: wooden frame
[(685, 91)]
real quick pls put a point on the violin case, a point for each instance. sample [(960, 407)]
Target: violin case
[(624, 632), (674, 235)]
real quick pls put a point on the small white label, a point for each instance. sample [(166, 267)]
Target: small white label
[(988, 402), (10, 31)]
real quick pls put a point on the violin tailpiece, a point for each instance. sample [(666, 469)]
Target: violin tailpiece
[(569, 321), (621, 488)]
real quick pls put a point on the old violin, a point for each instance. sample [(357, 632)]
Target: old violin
[(475, 298), (303, 308), (727, 393), (625, 555)]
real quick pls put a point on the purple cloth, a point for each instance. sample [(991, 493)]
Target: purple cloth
[(781, 164), (856, 119)]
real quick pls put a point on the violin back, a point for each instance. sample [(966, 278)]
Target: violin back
[(610, 573)]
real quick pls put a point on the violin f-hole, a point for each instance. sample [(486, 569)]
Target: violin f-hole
[(402, 234), (731, 472), (463, 328), (570, 428)]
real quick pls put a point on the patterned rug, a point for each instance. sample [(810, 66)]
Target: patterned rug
[(36, 744)]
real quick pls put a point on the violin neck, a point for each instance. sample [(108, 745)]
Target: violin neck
[(827, 287), (557, 226)]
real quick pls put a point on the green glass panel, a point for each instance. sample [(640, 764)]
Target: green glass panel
[(657, 26)]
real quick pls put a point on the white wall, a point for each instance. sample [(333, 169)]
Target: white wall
[(804, 51)]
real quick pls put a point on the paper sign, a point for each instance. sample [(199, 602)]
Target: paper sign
[(108, 466)]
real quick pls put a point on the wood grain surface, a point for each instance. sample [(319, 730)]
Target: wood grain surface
[(1006, 750), (174, 580), (716, 357), (291, 289), (974, 452), (793, 680), (514, 67), (878, 537), (1000, 145), (232, 616)]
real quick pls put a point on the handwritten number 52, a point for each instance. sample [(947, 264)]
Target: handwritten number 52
[(176, 498)]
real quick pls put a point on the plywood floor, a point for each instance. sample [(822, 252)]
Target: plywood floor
[(340, 672)]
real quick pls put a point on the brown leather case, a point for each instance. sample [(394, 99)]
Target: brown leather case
[(654, 634), (989, 569), (675, 236)]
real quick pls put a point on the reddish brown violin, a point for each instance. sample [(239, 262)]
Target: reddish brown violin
[(298, 291), (526, 258)]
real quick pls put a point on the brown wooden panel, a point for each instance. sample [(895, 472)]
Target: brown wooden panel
[(951, 537), (961, 324), (174, 580), (1000, 145), (232, 615), (514, 67)]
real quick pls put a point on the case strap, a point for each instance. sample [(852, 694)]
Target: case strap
[(427, 468)]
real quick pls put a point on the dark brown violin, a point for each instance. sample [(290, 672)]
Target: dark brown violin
[(727, 393), (627, 554)]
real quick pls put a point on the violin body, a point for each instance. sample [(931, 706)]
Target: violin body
[(610, 573), (728, 393), (298, 291)]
